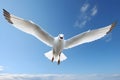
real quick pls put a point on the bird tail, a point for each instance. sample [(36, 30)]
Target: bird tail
[(49, 55)]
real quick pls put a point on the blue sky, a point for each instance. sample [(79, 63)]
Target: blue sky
[(23, 53)]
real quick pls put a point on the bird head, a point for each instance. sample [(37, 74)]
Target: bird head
[(61, 36)]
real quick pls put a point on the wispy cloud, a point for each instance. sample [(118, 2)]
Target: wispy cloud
[(59, 77), (87, 12), (1, 68), (84, 7), (94, 11)]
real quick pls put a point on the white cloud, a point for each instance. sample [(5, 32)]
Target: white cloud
[(87, 12), (94, 11), (59, 77), (80, 24), (1, 68), (84, 7)]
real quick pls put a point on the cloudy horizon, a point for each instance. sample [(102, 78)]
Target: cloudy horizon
[(59, 77)]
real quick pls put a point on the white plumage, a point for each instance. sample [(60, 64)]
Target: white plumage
[(57, 43)]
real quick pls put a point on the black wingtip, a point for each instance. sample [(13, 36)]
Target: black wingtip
[(7, 16), (112, 26), (4, 10)]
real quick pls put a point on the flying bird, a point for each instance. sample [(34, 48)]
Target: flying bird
[(58, 43)]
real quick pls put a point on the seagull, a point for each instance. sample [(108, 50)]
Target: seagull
[(58, 44)]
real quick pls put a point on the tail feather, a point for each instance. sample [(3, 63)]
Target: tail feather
[(49, 55)]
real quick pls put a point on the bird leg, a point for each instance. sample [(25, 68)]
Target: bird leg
[(52, 59), (59, 59), (53, 55)]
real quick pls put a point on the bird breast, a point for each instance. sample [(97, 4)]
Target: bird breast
[(58, 45)]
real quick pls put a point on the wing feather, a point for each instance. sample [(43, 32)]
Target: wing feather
[(29, 27), (88, 36)]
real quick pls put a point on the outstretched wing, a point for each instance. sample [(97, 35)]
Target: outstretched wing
[(29, 27), (88, 36)]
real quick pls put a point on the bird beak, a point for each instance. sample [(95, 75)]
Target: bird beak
[(61, 37)]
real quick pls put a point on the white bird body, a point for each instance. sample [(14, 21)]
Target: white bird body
[(58, 43), (56, 52), (58, 46)]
